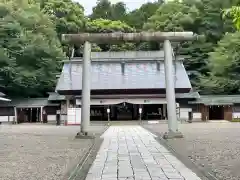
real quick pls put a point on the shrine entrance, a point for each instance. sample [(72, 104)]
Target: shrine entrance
[(124, 111), (29, 115), (216, 113)]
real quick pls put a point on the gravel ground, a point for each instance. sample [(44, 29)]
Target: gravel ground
[(40, 152), (213, 147)]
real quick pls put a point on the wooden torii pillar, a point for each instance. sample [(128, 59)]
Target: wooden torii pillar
[(114, 38)]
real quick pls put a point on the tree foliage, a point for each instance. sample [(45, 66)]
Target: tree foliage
[(234, 13), (138, 17), (67, 15), (224, 63), (214, 27), (108, 26), (29, 49), (172, 16), (106, 10)]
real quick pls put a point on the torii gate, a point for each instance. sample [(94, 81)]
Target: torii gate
[(111, 38)]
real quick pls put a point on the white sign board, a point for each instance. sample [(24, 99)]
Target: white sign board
[(78, 116), (78, 102), (184, 112), (71, 116), (197, 115), (108, 110), (140, 110), (51, 118), (74, 116), (236, 115), (3, 118)]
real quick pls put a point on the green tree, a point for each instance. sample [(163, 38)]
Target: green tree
[(106, 10), (30, 51), (173, 16), (234, 13), (211, 21), (224, 63), (214, 27), (67, 15), (108, 26), (118, 11), (138, 17), (101, 10)]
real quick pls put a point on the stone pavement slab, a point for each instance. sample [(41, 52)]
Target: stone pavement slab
[(132, 153)]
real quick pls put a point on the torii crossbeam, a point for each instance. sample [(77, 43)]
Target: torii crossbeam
[(119, 37)]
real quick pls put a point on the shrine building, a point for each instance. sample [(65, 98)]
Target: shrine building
[(125, 82)]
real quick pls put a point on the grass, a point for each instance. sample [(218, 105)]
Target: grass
[(235, 120)]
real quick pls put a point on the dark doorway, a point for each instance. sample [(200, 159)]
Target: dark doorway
[(124, 111), (216, 113), (153, 112), (34, 115), (97, 113), (28, 115)]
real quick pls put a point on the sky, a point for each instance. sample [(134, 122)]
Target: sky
[(130, 4)]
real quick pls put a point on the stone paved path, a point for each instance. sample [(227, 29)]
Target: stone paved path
[(132, 153)]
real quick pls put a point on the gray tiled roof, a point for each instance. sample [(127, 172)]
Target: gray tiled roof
[(108, 75), (194, 95), (28, 103), (55, 97), (128, 55), (217, 99)]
